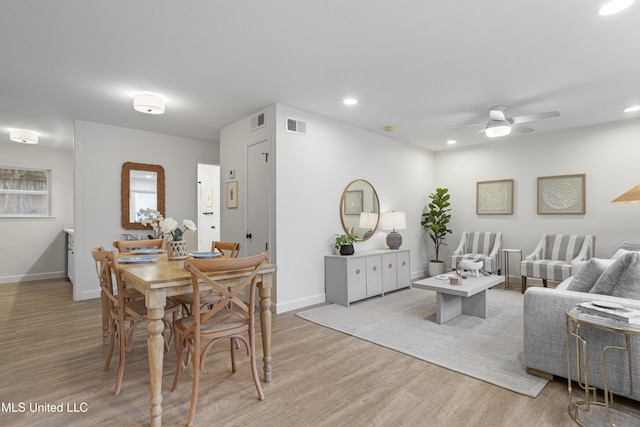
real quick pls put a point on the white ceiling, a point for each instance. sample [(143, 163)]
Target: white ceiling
[(421, 66)]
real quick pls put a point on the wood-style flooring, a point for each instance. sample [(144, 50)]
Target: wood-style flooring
[(51, 353)]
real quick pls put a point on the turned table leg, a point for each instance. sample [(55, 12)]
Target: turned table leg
[(265, 323), (155, 301)]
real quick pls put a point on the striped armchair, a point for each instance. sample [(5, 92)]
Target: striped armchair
[(479, 246), (554, 257)]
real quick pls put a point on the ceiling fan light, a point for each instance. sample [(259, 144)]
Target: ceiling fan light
[(632, 109), (23, 136), (614, 6), (497, 131), (148, 104)]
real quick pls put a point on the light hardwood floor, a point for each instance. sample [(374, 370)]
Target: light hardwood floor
[(51, 352)]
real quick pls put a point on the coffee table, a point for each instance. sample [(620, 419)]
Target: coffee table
[(469, 297)]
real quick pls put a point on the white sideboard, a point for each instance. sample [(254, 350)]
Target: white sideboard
[(365, 274)]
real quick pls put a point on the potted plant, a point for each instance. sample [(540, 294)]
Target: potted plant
[(344, 243), (435, 221)]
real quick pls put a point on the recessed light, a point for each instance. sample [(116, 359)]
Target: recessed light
[(389, 128), (631, 109), (350, 101), (452, 141), (23, 136), (613, 7)]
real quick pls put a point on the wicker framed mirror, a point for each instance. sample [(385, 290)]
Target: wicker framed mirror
[(143, 187)]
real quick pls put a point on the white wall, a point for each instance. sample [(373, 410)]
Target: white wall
[(607, 154), (38, 248), (311, 173), (100, 150)]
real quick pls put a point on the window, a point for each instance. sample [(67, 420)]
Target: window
[(25, 192)]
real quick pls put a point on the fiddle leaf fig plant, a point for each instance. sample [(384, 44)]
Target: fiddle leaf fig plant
[(437, 218)]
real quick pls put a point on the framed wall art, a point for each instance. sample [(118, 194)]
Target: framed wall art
[(561, 195), (494, 197), (232, 194), (353, 202)]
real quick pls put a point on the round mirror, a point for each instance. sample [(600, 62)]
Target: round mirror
[(360, 209)]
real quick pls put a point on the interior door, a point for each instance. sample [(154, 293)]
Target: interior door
[(208, 205), (258, 199)]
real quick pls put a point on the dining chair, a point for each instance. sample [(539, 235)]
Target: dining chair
[(230, 249), (229, 318), (129, 245), (123, 312)]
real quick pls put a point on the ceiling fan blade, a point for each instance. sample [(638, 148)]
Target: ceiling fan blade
[(480, 131), (497, 112), (467, 126), (522, 129), (533, 117)]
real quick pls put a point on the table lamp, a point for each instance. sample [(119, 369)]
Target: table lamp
[(368, 221), (393, 221)]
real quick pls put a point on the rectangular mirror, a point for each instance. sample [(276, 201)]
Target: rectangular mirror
[(142, 188)]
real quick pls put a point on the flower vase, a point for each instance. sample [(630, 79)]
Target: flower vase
[(177, 249)]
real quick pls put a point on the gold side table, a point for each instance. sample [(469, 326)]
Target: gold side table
[(575, 323), (506, 253)]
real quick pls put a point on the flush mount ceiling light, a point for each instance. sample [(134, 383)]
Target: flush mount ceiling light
[(148, 103), (496, 131), (631, 109), (23, 136), (452, 141), (613, 7), (350, 101)]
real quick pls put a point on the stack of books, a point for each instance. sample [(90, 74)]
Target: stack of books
[(609, 312)]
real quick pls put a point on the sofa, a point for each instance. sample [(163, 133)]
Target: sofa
[(616, 279)]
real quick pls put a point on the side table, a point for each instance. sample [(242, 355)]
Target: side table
[(575, 323), (506, 253)]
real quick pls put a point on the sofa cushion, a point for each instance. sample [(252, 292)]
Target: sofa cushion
[(621, 278), (587, 276)]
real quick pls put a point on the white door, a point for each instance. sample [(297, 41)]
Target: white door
[(208, 205), (258, 236)]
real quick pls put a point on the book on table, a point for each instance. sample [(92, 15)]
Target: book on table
[(611, 310)]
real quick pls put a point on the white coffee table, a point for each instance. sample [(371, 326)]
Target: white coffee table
[(469, 297)]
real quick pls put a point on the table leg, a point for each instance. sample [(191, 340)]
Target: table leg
[(475, 305), (265, 323), (447, 307), (155, 301)]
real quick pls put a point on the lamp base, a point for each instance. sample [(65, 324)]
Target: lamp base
[(394, 240)]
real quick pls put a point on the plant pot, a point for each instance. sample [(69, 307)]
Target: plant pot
[(177, 249), (436, 268), (346, 250)]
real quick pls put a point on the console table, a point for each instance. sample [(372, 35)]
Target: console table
[(365, 274), (575, 323)]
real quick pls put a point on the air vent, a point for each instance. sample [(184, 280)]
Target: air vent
[(296, 126), (257, 121)]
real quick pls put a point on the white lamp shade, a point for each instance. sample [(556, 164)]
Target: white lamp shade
[(393, 221), (496, 131), (368, 220), (149, 104), (23, 136)]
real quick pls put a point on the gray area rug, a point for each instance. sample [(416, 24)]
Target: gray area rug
[(487, 349)]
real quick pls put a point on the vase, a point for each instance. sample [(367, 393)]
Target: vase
[(346, 250), (177, 249)]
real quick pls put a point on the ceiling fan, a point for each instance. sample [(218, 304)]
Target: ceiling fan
[(501, 125)]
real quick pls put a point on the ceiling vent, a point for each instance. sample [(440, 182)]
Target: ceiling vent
[(257, 121), (296, 126)]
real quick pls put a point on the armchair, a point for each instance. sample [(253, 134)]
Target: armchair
[(479, 246), (555, 256)]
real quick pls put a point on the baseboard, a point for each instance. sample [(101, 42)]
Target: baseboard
[(541, 374), (32, 277), (300, 303)]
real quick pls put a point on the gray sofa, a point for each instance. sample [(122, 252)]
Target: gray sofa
[(545, 331)]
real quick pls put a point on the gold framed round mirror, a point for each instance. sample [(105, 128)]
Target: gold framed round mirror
[(360, 209)]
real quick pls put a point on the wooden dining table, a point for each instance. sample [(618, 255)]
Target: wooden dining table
[(164, 278)]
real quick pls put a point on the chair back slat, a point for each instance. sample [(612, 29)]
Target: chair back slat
[(230, 249), (129, 245)]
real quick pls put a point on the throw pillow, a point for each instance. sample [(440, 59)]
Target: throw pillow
[(589, 274), (619, 253), (624, 274)]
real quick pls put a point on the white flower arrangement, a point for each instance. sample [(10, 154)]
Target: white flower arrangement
[(151, 218), (170, 226)]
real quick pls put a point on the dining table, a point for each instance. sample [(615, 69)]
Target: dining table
[(163, 278)]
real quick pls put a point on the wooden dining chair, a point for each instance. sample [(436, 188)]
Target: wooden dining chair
[(124, 315), (230, 249), (129, 245), (230, 318)]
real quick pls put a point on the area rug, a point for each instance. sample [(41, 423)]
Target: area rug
[(487, 349)]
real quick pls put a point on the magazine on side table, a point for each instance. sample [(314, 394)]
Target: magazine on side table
[(606, 309)]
